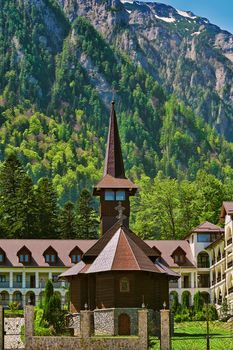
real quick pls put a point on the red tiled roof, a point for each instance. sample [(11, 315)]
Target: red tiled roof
[(122, 251), (168, 247), (95, 250), (206, 227), (227, 208), (38, 246)]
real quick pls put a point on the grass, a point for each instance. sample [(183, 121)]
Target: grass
[(192, 336)]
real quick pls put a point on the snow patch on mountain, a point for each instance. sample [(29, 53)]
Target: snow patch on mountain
[(185, 14), (166, 19)]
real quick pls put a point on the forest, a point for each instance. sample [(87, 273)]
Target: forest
[(55, 92)]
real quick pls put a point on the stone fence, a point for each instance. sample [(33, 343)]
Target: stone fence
[(86, 340)]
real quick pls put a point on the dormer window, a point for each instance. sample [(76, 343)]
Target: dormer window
[(24, 255), (2, 256), (179, 256), (75, 255), (24, 258), (50, 258), (50, 255), (75, 258)]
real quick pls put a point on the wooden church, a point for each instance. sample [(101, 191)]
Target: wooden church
[(120, 271)]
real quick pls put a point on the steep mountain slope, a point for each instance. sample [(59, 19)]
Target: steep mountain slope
[(187, 54), (58, 73)]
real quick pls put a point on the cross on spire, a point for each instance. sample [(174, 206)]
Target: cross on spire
[(121, 217)]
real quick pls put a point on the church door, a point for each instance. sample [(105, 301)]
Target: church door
[(124, 324)]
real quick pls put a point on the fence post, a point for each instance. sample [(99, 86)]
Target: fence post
[(165, 337), (1, 328), (29, 323), (86, 324), (143, 328)]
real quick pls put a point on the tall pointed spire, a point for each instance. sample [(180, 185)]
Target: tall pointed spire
[(114, 164)]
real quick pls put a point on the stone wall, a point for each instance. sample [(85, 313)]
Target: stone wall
[(104, 322), (86, 341)]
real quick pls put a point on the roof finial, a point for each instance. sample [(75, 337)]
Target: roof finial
[(121, 217)]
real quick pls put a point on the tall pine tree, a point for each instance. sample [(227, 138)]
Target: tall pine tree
[(86, 218), (47, 209), (17, 201), (68, 228)]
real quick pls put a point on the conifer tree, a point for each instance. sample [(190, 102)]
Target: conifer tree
[(68, 228), (87, 219), (47, 209), (17, 200)]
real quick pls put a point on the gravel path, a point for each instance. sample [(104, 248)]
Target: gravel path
[(12, 336)]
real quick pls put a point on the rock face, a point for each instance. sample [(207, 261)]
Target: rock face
[(186, 53)]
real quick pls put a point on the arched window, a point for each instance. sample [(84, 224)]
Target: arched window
[(203, 260), (124, 285)]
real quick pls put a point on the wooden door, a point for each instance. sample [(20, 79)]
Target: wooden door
[(124, 324)]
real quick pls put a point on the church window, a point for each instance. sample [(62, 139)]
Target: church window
[(109, 195), (124, 285), (120, 195)]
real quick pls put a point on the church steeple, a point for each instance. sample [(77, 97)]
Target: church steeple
[(114, 187), (114, 164)]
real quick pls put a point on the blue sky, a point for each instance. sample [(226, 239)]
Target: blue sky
[(219, 12)]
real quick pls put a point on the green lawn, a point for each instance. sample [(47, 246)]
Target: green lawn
[(191, 336)]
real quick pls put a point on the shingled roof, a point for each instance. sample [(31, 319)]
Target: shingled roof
[(206, 227), (227, 208), (120, 250)]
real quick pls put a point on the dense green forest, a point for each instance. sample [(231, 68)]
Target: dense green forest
[(56, 84)]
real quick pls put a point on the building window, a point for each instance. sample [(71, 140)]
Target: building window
[(120, 195), (179, 259), (203, 237), (50, 258), (75, 258), (2, 278), (114, 196), (1, 258), (24, 258), (124, 285), (18, 278), (109, 195)]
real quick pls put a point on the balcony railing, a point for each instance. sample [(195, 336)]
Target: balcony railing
[(219, 278), (5, 284), (229, 241), (17, 284), (230, 264), (203, 264), (173, 284)]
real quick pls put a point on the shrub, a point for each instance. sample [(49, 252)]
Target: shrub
[(182, 318), (14, 306), (185, 299), (198, 302), (200, 316), (212, 312)]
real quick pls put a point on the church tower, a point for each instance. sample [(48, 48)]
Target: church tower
[(114, 187)]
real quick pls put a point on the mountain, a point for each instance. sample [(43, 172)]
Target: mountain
[(62, 61), (185, 53)]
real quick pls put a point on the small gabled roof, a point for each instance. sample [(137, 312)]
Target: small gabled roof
[(227, 209), (24, 248), (206, 227), (49, 249), (178, 249), (75, 249)]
